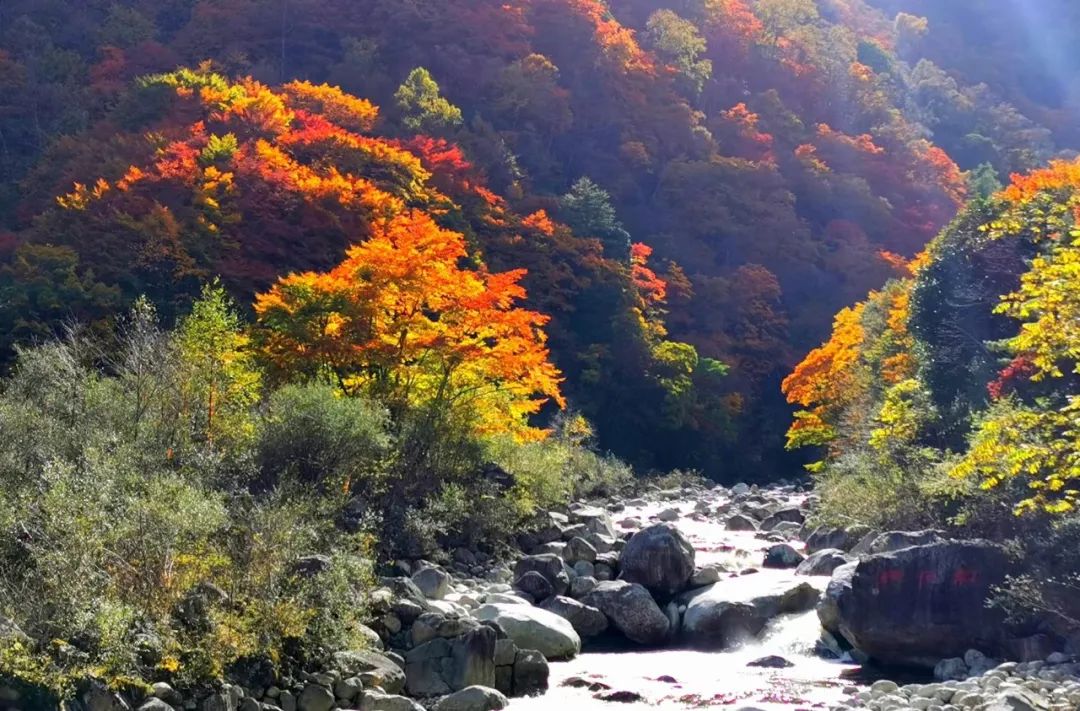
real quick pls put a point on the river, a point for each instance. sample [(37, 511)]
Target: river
[(682, 678)]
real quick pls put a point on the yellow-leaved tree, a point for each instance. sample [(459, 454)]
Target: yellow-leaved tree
[(1039, 437)]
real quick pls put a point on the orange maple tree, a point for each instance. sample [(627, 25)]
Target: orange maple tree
[(400, 319)]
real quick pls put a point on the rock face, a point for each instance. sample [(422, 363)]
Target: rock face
[(533, 628), (828, 609), (443, 665), (632, 611), (659, 558), (732, 611), (918, 605)]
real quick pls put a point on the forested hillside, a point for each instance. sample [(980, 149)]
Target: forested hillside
[(770, 161), (357, 348)]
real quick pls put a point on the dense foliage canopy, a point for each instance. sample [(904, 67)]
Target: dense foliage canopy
[(767, 152)]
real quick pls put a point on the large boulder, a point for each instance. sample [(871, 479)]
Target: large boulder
[(373, 700), (534, 585), (549, 565), (732, 611), (580, 549), (372, 668), (432, 582), (443, 665), (659, 558), (739, 522), (530, 673), (895, 540), (632, 611), (823, 562), (840, 538), (473, 698), (587, 621), (596, 520), (839, 585), (785, 514), (920, 604), (782, 555), (534, 628)]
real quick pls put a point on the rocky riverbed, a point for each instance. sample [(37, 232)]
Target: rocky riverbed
[(685, 598)]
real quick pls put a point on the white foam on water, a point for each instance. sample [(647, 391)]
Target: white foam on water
[(708, 679)]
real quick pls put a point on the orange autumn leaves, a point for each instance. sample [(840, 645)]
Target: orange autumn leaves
[(255, 182), (402, 320), (841, 371)]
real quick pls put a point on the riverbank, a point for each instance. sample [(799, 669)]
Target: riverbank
[(690, 597)]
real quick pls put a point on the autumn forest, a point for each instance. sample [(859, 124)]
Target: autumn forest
[(388, 277)]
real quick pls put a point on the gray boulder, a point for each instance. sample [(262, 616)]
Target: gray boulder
[(549, 565), (587, 621), (782, 555), (595, 519), (373, 700), (1016, 700), (535, 585), (659, 558), (632, 611), (840, 584), (919, 604), (534, 628), (841, 538), (823, 562), (950, 669), (100, 698), (732, 611), (473, 698), (786, 514), (445, 665), (373, 669), (155, 705), (579, 549), (706, 575), (896, 540), (582, 586), (668, 515), (739, 522), (432, 582), (530, 673), (315, 697)]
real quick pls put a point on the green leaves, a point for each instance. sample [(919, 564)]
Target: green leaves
[(421, 106)]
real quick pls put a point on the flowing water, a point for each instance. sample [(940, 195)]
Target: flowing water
[(682, 678)]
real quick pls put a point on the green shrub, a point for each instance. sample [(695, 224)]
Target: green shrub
[(862, 487), (1046, 592), (311, 435)]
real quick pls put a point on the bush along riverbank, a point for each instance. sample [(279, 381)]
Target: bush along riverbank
[(465, 629)]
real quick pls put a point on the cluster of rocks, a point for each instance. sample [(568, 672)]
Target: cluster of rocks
[(1050, 685), (361, 680), (471, 633)]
